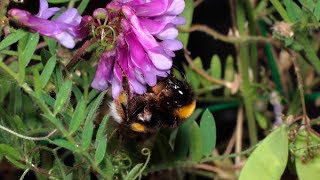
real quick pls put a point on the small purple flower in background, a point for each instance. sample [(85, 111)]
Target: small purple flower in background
[(145, 40), (65, 29)]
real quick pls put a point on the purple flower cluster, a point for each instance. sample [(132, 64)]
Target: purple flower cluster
[(65, 29), (144, 38)]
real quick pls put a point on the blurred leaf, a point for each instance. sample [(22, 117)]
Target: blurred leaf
[(198, 63), (47, 71), (101, 130), (208, 132), (82, 6), (134, 172), (9, 151), (62, 96), (95, 105), (196, 143), (193, 78), (12, 38), (188, 15), (65, 144), (52, 45), (101, 150), (78, 116), (58, 77), (294, 11), (30, 48), (16, 163), (310, 168), (37, 82), (229, 73), (54, 121), (215, 67), (87, 135), (308, 4), (269, 159), (77, 92), (262, 120), (317, 10), (181, 144)]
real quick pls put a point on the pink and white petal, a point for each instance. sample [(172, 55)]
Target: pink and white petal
[(152, 26), (65, 39), (179, 21), (101, 80), (159, 59), (176, 7), (171, 44), (143, 35), (116, 88), (170, 32), (70, 16), (151, 8)]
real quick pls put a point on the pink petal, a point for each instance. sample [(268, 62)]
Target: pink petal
[(176, 7), (65, 39), (145, 38), (170, 32), (159, 59), (152, 8)]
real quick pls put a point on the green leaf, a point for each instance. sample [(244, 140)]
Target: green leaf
[(102, 127), (215, 67), (196, 143), (229, 73), (101, 150), (16, 163), (9, 151), (198, 63), (193, 78), (188, 15), (270, 158), (65, 144), (317, 10), (208, 132), (30, 48), (12, 38), (54, 121), (262, 120), (87, 135), (95, 105), (37, 82), (310, 168), (48, 70), (134, 171), (181, 143), (294, 11), (78, 116), (82, 6), (52, 44), (62, 96)]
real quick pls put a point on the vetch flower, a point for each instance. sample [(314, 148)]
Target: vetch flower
[(145, 32), (65, 29)]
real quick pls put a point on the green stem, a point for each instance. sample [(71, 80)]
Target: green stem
[(283, 13), (253, 45), (15, 53), (178, 164), (274, 69), (243, 65)]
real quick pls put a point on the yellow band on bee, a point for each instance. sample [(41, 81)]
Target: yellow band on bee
[(186, 111), (138, 127)]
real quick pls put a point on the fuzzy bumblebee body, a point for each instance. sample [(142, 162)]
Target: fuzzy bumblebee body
[(166, 104)]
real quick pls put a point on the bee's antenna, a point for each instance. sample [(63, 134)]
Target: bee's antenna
[(183, 74)]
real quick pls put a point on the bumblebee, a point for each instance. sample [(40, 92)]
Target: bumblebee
[(166, 104)]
